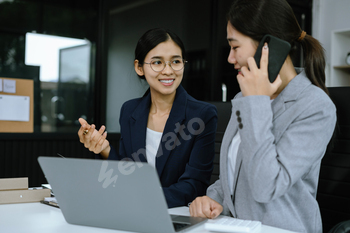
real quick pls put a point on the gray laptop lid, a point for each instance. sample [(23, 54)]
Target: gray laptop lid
[(109, 194)]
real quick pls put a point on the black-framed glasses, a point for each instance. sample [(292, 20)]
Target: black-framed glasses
[(158, 65)]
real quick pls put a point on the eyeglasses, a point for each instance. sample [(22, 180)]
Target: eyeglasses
[(159, 65)]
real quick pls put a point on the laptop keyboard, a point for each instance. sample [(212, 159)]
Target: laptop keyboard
[(228, 224), (180, 226)]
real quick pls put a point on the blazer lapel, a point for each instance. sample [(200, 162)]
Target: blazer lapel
[(138, 127), (278, 106), (169, 137), (237, 172), (290, 93)]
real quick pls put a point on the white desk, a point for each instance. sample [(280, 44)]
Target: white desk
[(40, 218)]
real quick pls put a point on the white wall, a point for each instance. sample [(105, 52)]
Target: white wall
[(329, 15)]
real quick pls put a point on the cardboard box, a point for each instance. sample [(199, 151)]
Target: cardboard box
[(22, 196), (14, 183)]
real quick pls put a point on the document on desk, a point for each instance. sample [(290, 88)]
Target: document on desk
[(182, 210), (231, 225), (14, 108)]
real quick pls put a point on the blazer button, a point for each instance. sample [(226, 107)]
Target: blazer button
[(240, 126), (238, 113), (239, 119)]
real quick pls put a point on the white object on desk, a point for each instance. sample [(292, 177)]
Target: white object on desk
[(47, 186), (228, 224), (201, 229)]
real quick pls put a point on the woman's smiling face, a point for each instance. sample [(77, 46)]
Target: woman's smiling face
[(242, 47), (166, 81)]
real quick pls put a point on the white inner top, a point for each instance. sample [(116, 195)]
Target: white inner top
[(231, 160), (152, 143)]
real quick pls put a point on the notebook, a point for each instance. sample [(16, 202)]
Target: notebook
[(120, 195)]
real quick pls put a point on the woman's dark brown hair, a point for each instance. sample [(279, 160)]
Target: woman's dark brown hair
[(255, 18)]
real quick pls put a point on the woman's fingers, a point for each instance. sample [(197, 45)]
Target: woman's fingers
[(88, 137), (92, 139), (205, 207), (84, 129), (97, 141), (82, 121), (264, 61), (102, 129), (254, 80)]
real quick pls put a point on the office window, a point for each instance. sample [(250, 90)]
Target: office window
[(65, 73), (53, 43)]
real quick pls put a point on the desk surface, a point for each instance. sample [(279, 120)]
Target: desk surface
[(40, 218)]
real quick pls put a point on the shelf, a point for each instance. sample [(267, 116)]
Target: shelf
[(344, 67), (340, 44)]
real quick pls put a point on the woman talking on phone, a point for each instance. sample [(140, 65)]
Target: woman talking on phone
[(278, 132)]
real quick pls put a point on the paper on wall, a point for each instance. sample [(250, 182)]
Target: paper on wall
[(9, 86), (14, 108)]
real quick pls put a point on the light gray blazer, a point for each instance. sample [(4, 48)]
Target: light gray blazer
[(278, 160)]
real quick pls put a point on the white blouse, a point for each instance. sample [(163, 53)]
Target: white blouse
[(232, 156), (152, 143)]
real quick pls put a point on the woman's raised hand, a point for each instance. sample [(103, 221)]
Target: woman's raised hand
[(255, 81), (92, 139)]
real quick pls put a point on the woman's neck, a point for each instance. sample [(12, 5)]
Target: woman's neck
[(287, 73), (159, 111), (161, 104)]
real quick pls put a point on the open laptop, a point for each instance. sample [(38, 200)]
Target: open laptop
[(120, 195)]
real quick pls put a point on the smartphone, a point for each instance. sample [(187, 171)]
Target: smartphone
[(278, 52)]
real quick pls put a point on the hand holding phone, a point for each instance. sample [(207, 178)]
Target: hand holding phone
[(278, 52)]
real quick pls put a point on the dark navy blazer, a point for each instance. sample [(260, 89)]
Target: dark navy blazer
[(185, 157)]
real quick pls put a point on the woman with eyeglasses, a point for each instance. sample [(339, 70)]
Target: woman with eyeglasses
[(166, 127)]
